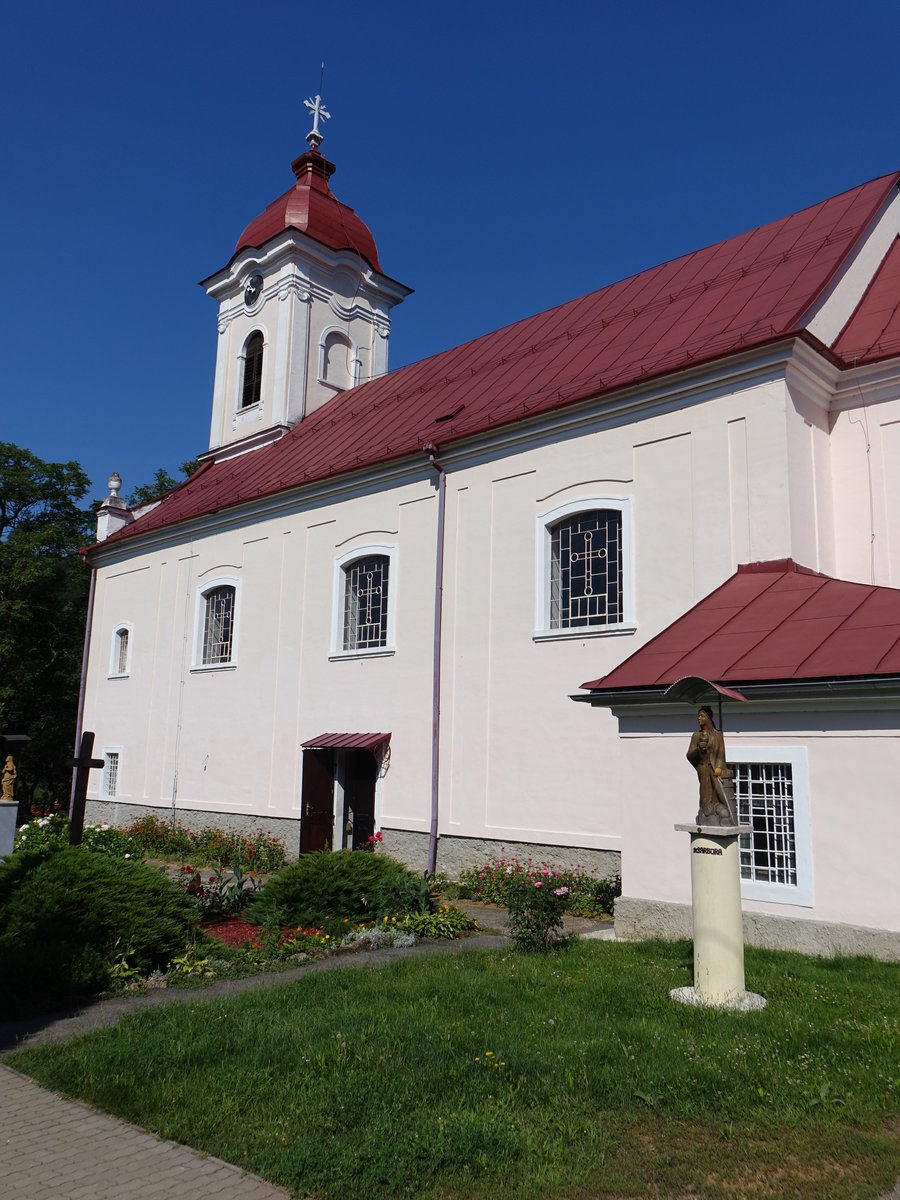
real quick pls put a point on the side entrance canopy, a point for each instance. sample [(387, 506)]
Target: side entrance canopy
[(346, 741)]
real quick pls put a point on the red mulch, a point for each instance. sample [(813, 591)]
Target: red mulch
[(233, 931)]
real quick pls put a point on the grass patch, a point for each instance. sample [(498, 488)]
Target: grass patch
[(567, 1075)]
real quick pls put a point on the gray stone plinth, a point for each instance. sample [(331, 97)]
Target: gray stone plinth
[(455, 854), (7, 827), (638, 919), (743, 1002)]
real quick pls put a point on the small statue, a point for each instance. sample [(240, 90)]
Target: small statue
[(8, 785), (706, 754)]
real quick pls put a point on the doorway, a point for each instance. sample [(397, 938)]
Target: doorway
[(337, 798)]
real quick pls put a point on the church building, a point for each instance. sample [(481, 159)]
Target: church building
[(376, 603)]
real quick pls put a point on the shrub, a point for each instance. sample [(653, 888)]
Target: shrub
[(73, 912), (536, 909), (588, 895), (447, 922), (340, 883)]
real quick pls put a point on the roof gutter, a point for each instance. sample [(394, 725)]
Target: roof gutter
[(431, 450), (833, 686)]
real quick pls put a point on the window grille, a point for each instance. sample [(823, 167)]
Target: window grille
[(218, 626), (111, 782), (366, 603), (253, 362), (122, 651), (765, 800), (586, 570)]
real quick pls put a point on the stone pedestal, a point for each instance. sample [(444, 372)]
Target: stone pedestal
[(718, 924), (7, 827)]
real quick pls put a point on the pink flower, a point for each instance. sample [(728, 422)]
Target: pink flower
[(563, 891), (537, 883)]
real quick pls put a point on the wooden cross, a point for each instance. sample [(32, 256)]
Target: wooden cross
[(82, 765)]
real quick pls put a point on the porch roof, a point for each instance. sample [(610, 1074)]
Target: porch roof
[(771, 622)]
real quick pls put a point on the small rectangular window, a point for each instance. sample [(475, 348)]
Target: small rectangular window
[(111, 774), (765, 800)]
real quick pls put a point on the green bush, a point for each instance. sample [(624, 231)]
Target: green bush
[(340, 883), (67, 914), (536, 910), (447, 922)]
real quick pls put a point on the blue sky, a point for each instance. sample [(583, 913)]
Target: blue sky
[(507, 157)]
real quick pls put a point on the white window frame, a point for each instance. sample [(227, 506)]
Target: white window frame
[(353, 358), (114, 672), (796, 757), (105, 793), (253, 409), (543, 560), (337, 607), (210, 585)]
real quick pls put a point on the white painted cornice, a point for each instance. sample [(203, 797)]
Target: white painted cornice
[(878, 383), (285, 247)]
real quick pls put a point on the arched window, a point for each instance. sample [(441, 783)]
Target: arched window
[(251, 388), (586, 570), (218, 625), (583, 564), (120, 651), (337, 360), (366, 602)]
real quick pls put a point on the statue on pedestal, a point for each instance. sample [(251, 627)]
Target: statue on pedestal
[(8, 783), (706, 754)]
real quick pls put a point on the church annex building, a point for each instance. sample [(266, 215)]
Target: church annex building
[(373, 604)]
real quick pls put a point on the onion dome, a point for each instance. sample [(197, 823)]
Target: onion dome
[(312, 207)]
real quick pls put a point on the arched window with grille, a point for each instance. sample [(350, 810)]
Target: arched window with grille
[(583, 562), (217, 631), (364, 602), (251, 384)]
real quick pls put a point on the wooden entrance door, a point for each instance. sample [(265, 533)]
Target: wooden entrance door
[(359, 795), (317, 800)]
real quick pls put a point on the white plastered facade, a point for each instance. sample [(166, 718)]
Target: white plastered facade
[(770, 455)]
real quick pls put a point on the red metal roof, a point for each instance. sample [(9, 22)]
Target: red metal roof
[(726, 298), (772, 622), (873, 331), (312, 207), (346, 741)]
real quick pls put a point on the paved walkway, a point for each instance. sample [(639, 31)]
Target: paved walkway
[(55, 1149)]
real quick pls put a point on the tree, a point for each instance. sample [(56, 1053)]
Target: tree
[(162, 482), (43, 601)]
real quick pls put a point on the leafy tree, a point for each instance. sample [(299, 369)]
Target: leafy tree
[(162, 482), (43, 599)]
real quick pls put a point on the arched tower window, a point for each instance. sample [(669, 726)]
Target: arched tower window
[(338, 360), (251, 389)]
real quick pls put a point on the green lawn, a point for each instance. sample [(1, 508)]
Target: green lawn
[(482, 1074)]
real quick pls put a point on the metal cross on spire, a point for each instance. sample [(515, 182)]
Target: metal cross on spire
[(319, 112)]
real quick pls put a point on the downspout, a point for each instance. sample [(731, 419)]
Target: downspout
[(82, 686), (431, 450)]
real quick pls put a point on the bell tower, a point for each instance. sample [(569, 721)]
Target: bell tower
[(304, 310)]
